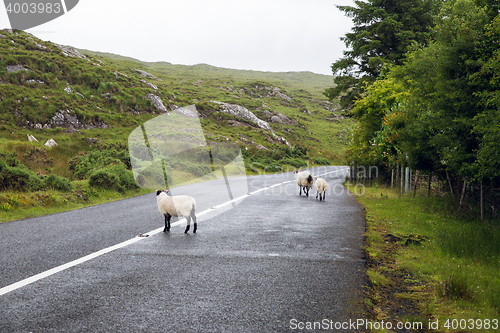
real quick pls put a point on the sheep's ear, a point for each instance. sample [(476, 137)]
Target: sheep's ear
[(158, 192)]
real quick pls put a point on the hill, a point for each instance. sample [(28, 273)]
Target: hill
[(90, 102)]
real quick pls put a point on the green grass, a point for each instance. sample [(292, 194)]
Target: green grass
[(451, 273), (21, 205)]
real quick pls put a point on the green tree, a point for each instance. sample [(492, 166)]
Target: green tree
[(446, 83), (383, 31), (486, 123)]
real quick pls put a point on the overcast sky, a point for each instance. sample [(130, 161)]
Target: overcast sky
[(263, 35)]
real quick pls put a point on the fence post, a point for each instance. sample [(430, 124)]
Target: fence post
[(397, 174), (407, 179), (370, 175), (429, 186), (463, 193), (449, 182), (415, 186), (482, 202), (392, 178), (402, 179)]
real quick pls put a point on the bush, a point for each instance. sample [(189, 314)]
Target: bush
[(104, 178), (321, 160), (295, 162), (84, 166), (115, 177), (198, 170), (57, 183), (18, 179)]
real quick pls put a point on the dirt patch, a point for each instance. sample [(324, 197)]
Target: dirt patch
[(392, 290)]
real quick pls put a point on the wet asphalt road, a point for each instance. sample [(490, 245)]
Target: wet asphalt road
[(268, 263)]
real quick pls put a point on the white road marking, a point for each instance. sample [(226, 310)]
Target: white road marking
[(94, 255)]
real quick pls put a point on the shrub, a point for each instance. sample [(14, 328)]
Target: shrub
[(115, 177), (320, 160), (104, 178), (198, 170), (273, 168), (83, 166), (57, 183), (299, 151), (18, 178), (457, 287), (295, 162)]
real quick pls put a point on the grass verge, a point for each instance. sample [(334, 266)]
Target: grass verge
[(429, 265), (21, 205)]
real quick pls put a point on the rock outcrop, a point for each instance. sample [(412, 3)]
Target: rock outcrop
[(16, 68), (149, 84), (64, 119), (187, 111), (146, 74), (245, 114), (70, 52), (157, 102), (51, 143)]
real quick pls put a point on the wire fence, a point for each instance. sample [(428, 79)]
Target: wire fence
[(469, 197)]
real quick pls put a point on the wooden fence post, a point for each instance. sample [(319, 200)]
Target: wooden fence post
[(463, 193), (482, 202), (415, 186), (402, 179), (407, 179), (397, 174), (429, 186), (449, 182)]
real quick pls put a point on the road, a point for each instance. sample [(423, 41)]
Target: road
[(268, 263)]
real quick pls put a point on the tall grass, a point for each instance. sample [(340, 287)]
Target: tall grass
[(458, 258)]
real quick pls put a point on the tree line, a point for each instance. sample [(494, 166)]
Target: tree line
[(421, 78)]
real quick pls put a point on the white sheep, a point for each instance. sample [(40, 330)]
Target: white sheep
[(304, 180), (321, 186), (183, 205)]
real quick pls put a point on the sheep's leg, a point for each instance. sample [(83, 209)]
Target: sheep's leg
[(167, 222), (188, 219), (195, 225), (300, 190), (306, 191), (317, 196), (324, 195)]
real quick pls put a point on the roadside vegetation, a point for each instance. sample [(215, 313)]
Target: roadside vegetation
[(427, 261), (420, 80)]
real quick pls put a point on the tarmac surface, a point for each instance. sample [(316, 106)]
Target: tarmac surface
[(272, 261)]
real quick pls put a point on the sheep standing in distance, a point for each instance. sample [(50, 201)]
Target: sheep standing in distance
[(183, 205), (321, 187), (304, 180)]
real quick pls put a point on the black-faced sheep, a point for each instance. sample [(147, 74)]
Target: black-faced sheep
[(304, 180), (321, 187), (182, 205)]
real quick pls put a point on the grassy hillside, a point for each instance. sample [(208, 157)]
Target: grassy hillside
[(89, 103)]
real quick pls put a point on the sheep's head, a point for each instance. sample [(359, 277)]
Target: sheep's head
[(158, 192)]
